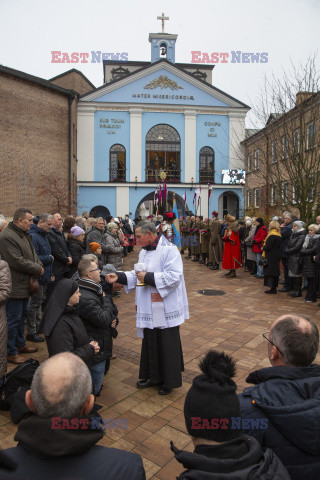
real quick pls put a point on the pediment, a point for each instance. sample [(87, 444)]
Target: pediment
[(162, 82)]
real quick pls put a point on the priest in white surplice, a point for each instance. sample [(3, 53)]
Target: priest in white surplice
[(162, 306)]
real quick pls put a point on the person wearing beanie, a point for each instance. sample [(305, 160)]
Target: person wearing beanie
[(293, 255), (76, 247), (95, 248), (211, 412)]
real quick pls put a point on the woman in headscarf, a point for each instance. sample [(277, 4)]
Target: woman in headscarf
[(63, 328), (258, 239)]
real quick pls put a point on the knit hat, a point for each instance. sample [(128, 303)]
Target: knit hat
[(212, 400), (214, 213), (108, 268), (76, 231), (299, 223), (94, 246), (230, 218)]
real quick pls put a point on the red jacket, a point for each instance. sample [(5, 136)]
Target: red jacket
[(231, 252), (258, 239)]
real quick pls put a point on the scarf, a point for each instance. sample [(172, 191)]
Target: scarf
[(307, 240), (273, 231), (90, 285)]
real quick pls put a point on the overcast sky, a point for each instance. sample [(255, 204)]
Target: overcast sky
[(30, 30)]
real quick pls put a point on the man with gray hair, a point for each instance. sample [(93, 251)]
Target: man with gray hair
[(59, 439), (162, 306), (39, 233), (97, 235), (287, 396)]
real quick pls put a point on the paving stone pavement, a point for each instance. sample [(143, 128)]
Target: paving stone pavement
[(233, 323)]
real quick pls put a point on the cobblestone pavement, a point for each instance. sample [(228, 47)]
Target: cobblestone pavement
[(233, 323)]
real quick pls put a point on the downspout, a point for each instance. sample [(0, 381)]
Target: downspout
[(70, 100)]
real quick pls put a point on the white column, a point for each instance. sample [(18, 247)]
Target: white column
[(236, 135), (135, 143), (85, 144), (122, 207), (190, 158), (204, 201)]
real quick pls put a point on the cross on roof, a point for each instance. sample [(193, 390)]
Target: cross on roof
[(162, 18)]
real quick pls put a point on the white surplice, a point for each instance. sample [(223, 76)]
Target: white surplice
[(166, 305)]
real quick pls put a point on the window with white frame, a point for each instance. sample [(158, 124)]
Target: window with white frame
[(284, 191), (296, 141), (249, 165), (285, 146), (249, 198), (312, 188), (256, 159), (256, 197), (311, 135), (273, 195), (274, 151)]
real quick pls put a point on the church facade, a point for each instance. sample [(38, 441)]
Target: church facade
[(158, 121)]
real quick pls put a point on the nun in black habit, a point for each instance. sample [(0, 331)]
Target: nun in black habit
[(63, 328)]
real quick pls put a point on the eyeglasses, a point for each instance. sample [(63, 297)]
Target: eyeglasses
[(94, 270), (266, 338)]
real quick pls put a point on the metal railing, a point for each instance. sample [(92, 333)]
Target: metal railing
[(153, 176), (206, 176), (117, 175)]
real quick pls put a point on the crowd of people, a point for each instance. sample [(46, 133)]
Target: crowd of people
[(59, 278), (285, 246)]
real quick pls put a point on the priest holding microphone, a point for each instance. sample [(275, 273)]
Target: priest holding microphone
[(162, 306)]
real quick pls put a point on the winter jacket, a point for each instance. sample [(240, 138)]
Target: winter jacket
[(239, 459), (60, 252), (289, 397), (114, 250), (286, 232), (40, 241), (5, 290), (293, 251), (50, 453), (309, 267), (77, 251), (70, 335), (96, 235), (231, 253), (97, 313), (258, 239), (17, 250), (273, 255)]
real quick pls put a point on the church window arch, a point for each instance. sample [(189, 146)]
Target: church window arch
[(117, 163), (206, 165), (163, 148)]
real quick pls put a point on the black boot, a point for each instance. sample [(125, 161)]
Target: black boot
[(209, 264), (232, 274), (228, 274), (297, 284), (215, 267)]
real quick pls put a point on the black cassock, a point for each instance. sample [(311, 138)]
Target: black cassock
[(161, 356)]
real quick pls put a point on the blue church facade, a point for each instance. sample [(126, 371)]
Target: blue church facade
[(157, 121)]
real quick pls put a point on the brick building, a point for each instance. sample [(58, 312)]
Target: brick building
[(38, 129), (283, 161)]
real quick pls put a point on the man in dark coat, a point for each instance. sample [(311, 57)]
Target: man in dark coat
[(59, 439), (60, 252), (39, 233), (213, 419), (96, 234), (99, 315), (17, 250), (286, 232), (288, 394)]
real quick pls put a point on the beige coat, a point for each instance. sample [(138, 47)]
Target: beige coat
[(5, 290), (215, 244)]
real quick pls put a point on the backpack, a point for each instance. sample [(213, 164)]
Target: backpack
[(19, 378)]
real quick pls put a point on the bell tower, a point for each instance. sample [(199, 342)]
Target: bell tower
[(162, 44)]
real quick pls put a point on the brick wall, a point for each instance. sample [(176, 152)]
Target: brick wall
[(73, 81), (34, 133)]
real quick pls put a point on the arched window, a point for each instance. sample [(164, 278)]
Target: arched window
[(163, 146), (206, 165), (117, 164)]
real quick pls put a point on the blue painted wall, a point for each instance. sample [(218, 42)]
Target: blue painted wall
[(180, 96), (220, 143), (104, 139), (149, 120), (89, 197)]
